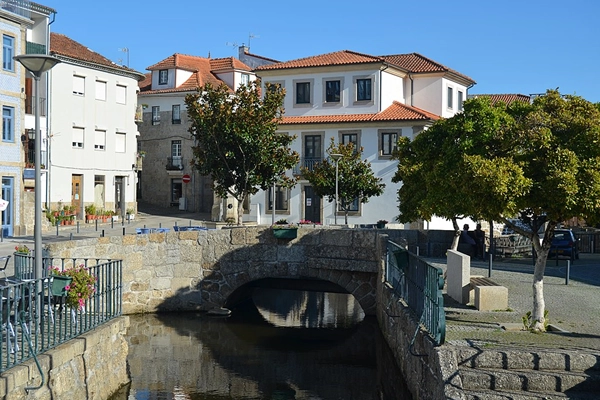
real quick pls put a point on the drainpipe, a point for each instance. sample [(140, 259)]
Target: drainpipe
[(48, 78), (386, 66), (412, 83)]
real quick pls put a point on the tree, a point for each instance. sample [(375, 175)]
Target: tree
[(538, 161), (237, 141), (356, 180)]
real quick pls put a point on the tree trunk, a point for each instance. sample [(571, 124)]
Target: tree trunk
[(542, 249), (456, 235), (240, 211)]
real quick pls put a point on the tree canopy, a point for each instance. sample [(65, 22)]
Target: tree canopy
[(356, 180), (237, 143), (539, 161)]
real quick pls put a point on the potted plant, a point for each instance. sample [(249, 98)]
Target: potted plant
[(77, 284), (283, 230), (381, 224), (90, 213), (130, 214), (22, 249)]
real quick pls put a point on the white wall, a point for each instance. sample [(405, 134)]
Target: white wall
[(392, 89), (68, 110)]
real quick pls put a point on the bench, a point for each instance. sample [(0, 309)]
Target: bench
[(488, 294)]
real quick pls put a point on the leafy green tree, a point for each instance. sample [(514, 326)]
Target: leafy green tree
[(237, 141), (539, 162), (356, 179)]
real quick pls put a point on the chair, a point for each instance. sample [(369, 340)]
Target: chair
[(5, 259)]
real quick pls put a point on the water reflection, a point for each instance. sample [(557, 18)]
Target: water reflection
[(193, 356)]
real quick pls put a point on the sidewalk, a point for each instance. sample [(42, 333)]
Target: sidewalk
[(573, 309)]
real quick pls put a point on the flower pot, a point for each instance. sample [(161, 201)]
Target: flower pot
[(380, 225), (285, 233), (59, 283)]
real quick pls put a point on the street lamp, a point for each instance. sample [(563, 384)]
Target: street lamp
[(336, 157), (37, 65)]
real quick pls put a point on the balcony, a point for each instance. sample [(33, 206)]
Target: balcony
[(35, 48), (174, 163), (139, 114), (30, 105), (308, 163)]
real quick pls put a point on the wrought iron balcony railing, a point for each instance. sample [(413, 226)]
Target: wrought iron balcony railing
[(30, 105), (308, 163), (174, 163)]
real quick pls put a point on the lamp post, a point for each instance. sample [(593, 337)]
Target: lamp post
[(336, 157), (37, 65)]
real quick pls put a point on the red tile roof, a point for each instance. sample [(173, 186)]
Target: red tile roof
[(344, 57), (413, 62), (61, 45), (505, 98), (396, 112), (203, 71)]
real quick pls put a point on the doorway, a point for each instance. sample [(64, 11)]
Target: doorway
[(7, 194), (76, 182), (119, 196), (312, 205)]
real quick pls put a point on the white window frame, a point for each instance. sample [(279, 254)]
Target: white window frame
[(163, 77), (79, 85), (121, 94), (120, 142), (100, 140), (78, 136), (101, 90), (176, 114), (155, 115)]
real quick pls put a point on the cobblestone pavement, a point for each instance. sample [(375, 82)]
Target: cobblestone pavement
[(573, 308)]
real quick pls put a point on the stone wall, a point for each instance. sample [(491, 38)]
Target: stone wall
[(199, 270), (92, 366)]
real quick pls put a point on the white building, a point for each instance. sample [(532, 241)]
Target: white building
[(93, 133), (24, 27), (353, 97)]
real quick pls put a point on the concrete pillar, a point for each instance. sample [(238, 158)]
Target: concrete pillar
[(458, 276)]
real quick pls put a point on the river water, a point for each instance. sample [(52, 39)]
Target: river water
[(283, 344)]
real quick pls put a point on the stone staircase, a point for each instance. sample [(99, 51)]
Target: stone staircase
[(519, 374)]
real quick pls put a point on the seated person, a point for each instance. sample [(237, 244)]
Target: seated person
[(467, 241)]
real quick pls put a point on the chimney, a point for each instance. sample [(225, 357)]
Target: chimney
[(243, 49)]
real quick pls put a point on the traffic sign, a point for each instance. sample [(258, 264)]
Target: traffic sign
[(186, 178)]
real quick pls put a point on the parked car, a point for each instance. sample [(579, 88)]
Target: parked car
[(564, 244)]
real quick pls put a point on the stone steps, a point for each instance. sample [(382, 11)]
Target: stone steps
[(517, 374)]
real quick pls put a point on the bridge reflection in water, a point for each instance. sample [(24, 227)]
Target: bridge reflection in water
[(284, 344)]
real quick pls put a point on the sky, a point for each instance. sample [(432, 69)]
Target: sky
[(510, 46)]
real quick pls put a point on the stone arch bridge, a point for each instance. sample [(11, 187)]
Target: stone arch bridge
[(203, 270)]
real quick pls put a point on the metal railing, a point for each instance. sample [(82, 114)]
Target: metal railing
[(33, 320), (174, 163), (308, 163), (35, 48), (420, 285)]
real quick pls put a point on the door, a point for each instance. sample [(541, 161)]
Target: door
[(119, 196), (312, 205), (176, 191), (7, 194), (76, 181)]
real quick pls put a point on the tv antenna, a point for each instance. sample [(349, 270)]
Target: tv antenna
[(125, 50), (250, 37)]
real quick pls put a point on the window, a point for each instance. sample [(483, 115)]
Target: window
[(332, 91), (176, 153), (100, 90), (312, 151), (363, 90), (388, 142), (460, 101), (450, 96), (120, 141), (303, 93), (78, 85), (121, 95), (163, 76), (282, 197), (155, 115), (176, 190), (346, 137), (77, 141), (245, 79), (352, 207), (8, 51), (176, 114), (8, 124), (100, 140)]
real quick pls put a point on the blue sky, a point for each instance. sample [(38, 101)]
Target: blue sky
[(511, 46)]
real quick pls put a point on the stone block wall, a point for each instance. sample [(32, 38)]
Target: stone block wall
[(198, 270), (93, 366)]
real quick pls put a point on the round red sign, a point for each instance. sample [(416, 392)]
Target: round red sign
[(186, 178)]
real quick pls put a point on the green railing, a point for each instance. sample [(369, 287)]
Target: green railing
[(420, 285), (33, 320), (35, 48)]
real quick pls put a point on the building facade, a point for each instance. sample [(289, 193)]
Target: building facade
[(93, 132), (353, 97), (25, 30), (168, 179)]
